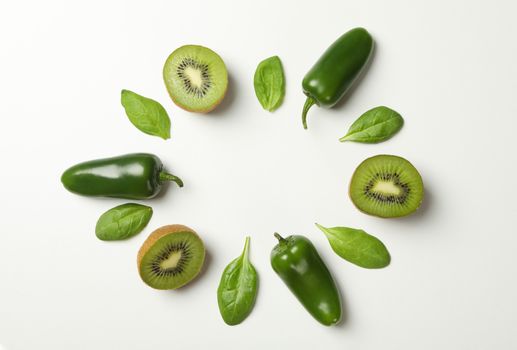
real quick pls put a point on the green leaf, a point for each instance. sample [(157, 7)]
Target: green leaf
[(147, 115), (269, 83), (123, 221), (376, 125), (238, 289), (357, 246)]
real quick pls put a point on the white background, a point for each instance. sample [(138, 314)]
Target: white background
[(449, 67)]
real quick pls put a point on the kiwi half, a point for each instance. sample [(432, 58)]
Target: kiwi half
[(386, 186), (196, 78), (171, 257)]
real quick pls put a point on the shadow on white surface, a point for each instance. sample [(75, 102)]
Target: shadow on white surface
[(345, 316), (223, 109), (421, 212)]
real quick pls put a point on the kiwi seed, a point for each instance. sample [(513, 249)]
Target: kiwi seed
[(201, 88)]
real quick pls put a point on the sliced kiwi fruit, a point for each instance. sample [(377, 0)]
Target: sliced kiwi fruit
[(196, 78), (171, 257), (386, 186)]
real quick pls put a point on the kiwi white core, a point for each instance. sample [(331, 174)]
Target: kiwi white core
[(195, 77), (172, 261), (386, 188)]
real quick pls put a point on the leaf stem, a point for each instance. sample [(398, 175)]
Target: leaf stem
[(344, 138), (308, 104), (169, 177), (245, 252)]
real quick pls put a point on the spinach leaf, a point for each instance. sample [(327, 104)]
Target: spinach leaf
[(123, 221), (238, 289), (376, 125), (269, 83), (147, 115), (357, 246)]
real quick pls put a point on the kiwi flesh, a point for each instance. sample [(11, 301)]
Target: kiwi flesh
[(171, 257), (386, 186), (196, 78)]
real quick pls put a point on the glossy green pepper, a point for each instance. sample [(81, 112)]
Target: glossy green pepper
[(299, 265), (336, 70), (131, 176)]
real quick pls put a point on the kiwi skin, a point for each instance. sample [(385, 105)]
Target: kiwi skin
[(198, 110), (381, 216), (155, 236)]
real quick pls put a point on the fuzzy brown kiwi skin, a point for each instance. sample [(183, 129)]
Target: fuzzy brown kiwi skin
[(380, 216), (155, 236)]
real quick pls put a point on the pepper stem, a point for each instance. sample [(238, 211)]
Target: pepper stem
[(280, 238), (169, 177), (308, 104)]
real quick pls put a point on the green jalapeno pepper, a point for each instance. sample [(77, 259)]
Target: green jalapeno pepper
[(299, 265), (336, 70), (131, 176)]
